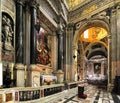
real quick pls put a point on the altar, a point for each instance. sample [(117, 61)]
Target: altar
[(48, 79), (40, 75)]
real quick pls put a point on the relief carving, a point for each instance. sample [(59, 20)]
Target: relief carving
[(7, 33), (7, 37)]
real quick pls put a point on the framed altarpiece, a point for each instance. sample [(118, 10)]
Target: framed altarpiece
[(43, 54)]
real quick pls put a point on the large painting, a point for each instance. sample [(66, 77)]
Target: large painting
[(97, 68), (43, 50)]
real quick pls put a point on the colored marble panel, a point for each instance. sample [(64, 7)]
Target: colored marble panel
[(1, 98), (9, 97)]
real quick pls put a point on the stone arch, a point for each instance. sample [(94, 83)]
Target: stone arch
[(84, 25), (88, 24), (91, 23), (102, 43)]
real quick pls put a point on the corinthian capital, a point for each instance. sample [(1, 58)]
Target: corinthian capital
[(118, 7), (113, 11), (34, 3), (20, 1)]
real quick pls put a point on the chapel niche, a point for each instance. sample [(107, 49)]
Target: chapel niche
[(7, 38)]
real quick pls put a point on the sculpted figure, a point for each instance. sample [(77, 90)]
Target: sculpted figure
[(6, 30)]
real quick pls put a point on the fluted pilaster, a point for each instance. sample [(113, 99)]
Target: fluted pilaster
[(118, 38), (68, 54)]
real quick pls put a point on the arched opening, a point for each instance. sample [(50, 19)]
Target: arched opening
[(92, 52)]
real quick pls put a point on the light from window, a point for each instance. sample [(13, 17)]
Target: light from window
[(86, 34)]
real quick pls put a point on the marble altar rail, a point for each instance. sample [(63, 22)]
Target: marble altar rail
[(42, 94)]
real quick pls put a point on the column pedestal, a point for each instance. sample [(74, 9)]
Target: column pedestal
[(33, 76), (110, 87), (20, 74), (60, 76)]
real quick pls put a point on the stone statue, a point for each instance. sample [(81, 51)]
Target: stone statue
[(7, 32)]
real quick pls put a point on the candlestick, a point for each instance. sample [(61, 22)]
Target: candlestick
[(25, 72), (12, 66)]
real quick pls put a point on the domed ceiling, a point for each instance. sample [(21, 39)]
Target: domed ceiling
[(93, 34), (96, 37)]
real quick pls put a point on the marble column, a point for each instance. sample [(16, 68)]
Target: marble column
[(0, 33), (1, 69), (33, 32), (68, 54), (118, 39), (109, 69), (109, 60), (19, 44), (19, 32), (59, 73), (27, 36), (54, 52), (113, 43), (60, 50)]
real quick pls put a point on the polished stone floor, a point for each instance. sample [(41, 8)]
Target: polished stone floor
[(94, 95)]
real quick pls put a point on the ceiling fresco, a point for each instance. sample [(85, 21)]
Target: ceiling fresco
[(73, 3), (94, 34)]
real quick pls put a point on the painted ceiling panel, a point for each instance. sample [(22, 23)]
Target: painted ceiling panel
[(93, 34), (73, 3)]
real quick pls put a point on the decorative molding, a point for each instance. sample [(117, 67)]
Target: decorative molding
[(20, 1), (70, 25), (90, 9), (45, 22), (113, 11), (118, 8)]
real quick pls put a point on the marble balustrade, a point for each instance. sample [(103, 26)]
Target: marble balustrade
[(42, 94)]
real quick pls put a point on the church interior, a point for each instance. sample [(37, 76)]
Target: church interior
[(59, 51)]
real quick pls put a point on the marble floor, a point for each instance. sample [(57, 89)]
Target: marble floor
[(94, 95)]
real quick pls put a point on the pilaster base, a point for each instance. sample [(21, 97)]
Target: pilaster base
[(110, 87), (20, 74), (60, 76)]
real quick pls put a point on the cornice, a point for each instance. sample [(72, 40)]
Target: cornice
[(20, 1), (99, 6), (71, 25)]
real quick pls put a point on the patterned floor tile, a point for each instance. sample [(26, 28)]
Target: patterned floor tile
[(94, 95)]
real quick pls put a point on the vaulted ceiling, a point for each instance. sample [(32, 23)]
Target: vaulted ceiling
[(73, 3)]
